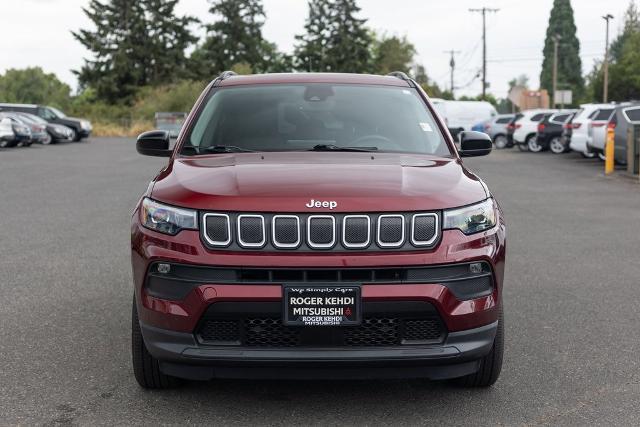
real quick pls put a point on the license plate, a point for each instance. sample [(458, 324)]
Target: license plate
[(322, 305)]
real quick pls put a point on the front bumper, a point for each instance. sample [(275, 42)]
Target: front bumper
[(182, 356), (169, 325)]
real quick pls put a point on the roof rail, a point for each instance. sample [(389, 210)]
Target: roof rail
[(402, 76), (224, 75)]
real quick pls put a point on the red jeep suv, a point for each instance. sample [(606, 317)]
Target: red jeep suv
[(316, 226)]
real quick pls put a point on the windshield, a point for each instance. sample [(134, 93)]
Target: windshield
[(57, 112), (313, 116), (33, 119)]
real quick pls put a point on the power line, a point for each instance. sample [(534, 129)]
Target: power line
[(484, 11)]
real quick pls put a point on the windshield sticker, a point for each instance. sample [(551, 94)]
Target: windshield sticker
[(426, 127)]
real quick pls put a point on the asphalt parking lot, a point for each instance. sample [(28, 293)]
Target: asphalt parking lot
[(572, 293)]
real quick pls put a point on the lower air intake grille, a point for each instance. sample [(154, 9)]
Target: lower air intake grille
[(421, 330), (269, 332), (223, 331), (382, 326), (373, 332)]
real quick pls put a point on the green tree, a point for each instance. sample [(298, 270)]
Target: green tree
[(631, 24), (392, 54), (350, 41), (134, 44), (310, 50), (34, 86), (335, 39), (561, 23), (234, 38), (624, 77), (420, 76)]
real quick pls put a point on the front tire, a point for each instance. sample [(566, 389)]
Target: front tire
[(588, 154), (74, 135), (146, 368), (47, 140), (491, 364)]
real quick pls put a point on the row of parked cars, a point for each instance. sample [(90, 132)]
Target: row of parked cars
[(25, 124), (583, 130)]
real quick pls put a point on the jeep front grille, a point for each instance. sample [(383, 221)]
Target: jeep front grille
[(308, 232)]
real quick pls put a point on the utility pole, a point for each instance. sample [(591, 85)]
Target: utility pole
[(605, 89), (452, 65), (484, 11), (556, 40)]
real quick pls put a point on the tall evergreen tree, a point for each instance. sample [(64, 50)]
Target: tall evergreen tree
[(561, 23), (350, 41), (234, 38), (310, 51), (335, 40), (168, 38), (135, 43)]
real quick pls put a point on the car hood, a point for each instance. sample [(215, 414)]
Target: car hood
[(286, 182)]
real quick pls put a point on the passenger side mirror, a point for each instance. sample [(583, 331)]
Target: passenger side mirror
[(474, 144), (154, 143)]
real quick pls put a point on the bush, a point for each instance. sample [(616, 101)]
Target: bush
[(125, 120)]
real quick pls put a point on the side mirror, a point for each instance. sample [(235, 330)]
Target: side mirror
[(154, 143), (474, 144)]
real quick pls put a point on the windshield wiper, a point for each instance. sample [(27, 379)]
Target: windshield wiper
[(226, 149), (331, 147)]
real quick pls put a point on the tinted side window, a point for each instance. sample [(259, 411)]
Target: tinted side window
[(560, 118), (633, 114), (537, 117), (603, 114), (504, 120)]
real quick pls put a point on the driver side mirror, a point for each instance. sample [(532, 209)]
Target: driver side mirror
[(154, 143), (474, 144)]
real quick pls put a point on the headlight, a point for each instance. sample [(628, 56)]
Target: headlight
[(471, 219), (85, 125), (167, 219)]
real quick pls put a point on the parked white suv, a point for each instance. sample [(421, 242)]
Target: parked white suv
[(598, 129), (581, 131), (526, 127)]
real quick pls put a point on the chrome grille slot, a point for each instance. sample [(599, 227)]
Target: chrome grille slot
[(285, 231), (217, 229), (251, 232), (321, 231), (356, 231), (390, 231), (424, 229)]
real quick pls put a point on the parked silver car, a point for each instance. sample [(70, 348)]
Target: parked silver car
[(6, 132), (619, 118), (21, 132), (496, 128)]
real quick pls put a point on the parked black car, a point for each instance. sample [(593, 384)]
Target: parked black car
[(81, 128), (550, 132)]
